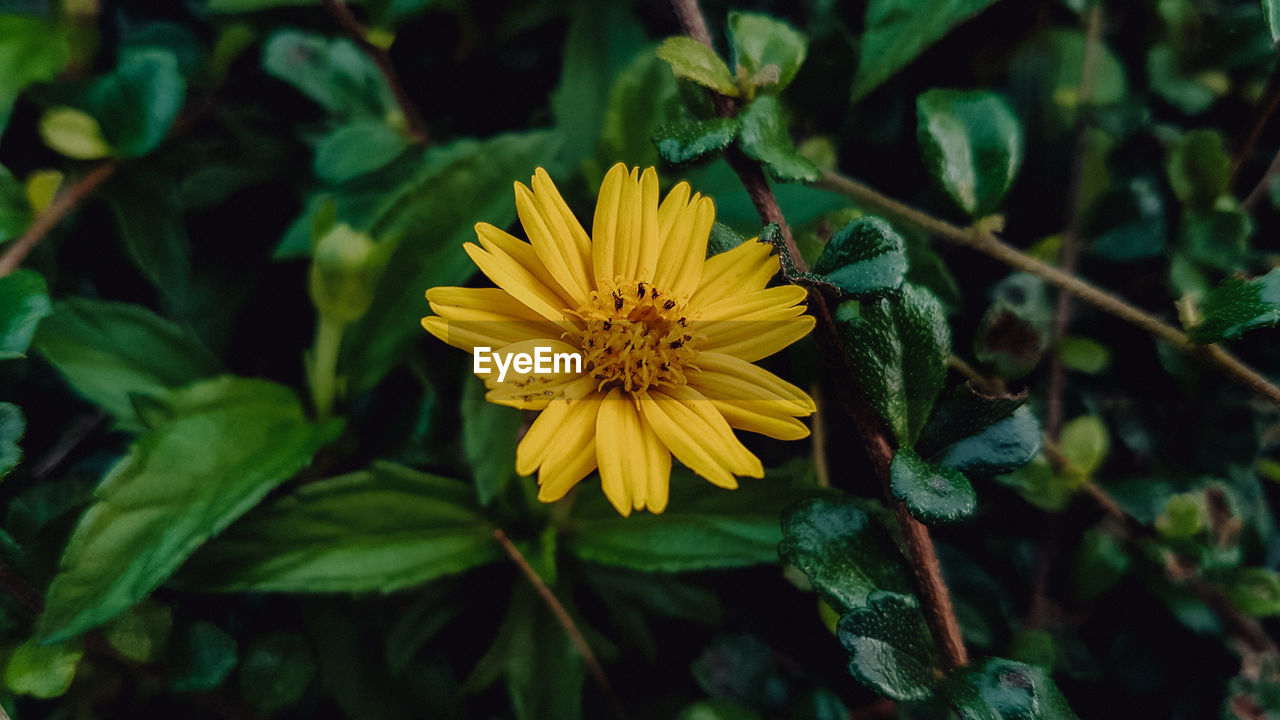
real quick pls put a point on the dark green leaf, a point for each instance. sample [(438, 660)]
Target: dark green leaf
[(846, 553), (460, 184), (180, 484), (1130, 222), (43, 671), (334, 73), (357, 148), (488, 440), (1199, 168), (377, 530), (1014, 332), (999, 448), (765, 137), (933, 493), (110, 351), (15, 208), (769, 52), (12, 427), (691, 60), (972, 145), (962, 412), (239, 6), (1271, 11), (146, 208), (718, 709), (683, 142), (1254, 591), (32, 50), (864, 258), (276, 671), (1218, 238), (202, 656), (899, 345), (1238, 305), (1100, 562), (137, 103), (141, 633), (24, 301), (897, 31), (999, 689), (638, 106), (893, 652), (1189, 91), (703, 526)]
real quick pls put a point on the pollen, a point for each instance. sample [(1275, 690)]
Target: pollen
[(636, 337)]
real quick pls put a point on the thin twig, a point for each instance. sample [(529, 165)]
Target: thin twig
[(1259, 191), (935, 596), (562, 616), (356, 30), (1272, 95), (62, 205), (987, 243), (821, 469)]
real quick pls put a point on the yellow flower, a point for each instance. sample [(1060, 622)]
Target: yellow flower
[(666, 335)]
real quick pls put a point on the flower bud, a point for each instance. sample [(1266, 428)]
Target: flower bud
[(344, 274)]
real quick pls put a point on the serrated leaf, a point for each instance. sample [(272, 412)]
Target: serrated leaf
[(933, 493), (769, 51), (893, 652), (766, 138), (684, 142), (866, 257), (1001, 447), (1238, 305), (964, 411), (109, 351), (999, 689), (1199, 168), (846, 553), (971, 143), (179, 484), (12, 427), (137, 103), (377, 530), (691, 60), (899, 346), (897, 31), (355, 149), (24, 302)]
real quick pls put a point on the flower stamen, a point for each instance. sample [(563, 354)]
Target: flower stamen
[(636, 337)]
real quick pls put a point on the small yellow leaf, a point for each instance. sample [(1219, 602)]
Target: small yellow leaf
[(73, 133), (42, 186)]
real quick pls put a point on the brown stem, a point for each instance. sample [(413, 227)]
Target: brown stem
[(987, 243), (62, 205), (356, 30), (1259, 191), (562, 616), (934, 594), (1272, 101)]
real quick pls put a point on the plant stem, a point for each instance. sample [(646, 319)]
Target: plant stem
[(562, 616), (324, 366), (987, 243), (356, 30), (62, 205), (934, 595), (1259, 191), (1271, 101)]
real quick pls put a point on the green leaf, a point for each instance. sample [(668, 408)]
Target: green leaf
[(333, 72), (240, 6), (1218, 238), (703, 526), (718, 709), (1190, 92), (355, 149), (1271, 11), (74, 134), (1238, 305), (1083, 355), (865, 258), (691, 60), (233, 441), (137, 103), (16, 204), (488, 440), (147, 211), (971, 143), (1199, 168), (1037, 483), (995, 689), (899, 346), (12, 427), (1183, 516), (897, 31), (43, 671), (768, 51), (684, 142), (1014, 333), (460, 184), (1130, 222), (933, 493), (1084, 444), (1001, 447), (276, 671), (141, 633), (24, 302), (32, 50), (1254, 591), (639, 104), (893, 652), (1100, 562), (962, 412), (377, 530), (846, 553), (766, 138), (110, 351), (201, 658)]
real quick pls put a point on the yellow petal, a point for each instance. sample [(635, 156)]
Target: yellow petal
[(767, 338), (554, 244), (534, 387), (539, 398), (752, 418), (672, 205), (679, 439), (483, 317), (537, 442), (648, 242), (555, 442), (470, 335), (716, 434), (684, 248), (744, 269), (604, 228), (718, 334), (632, 460), (725, 377), (749, 303)]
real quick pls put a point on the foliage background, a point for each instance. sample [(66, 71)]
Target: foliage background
[(184, 533)]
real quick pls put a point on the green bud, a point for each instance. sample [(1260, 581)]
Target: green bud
[(344, 274), (1182, 516)]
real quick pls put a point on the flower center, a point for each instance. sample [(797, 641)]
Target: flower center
[(636, 337)]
